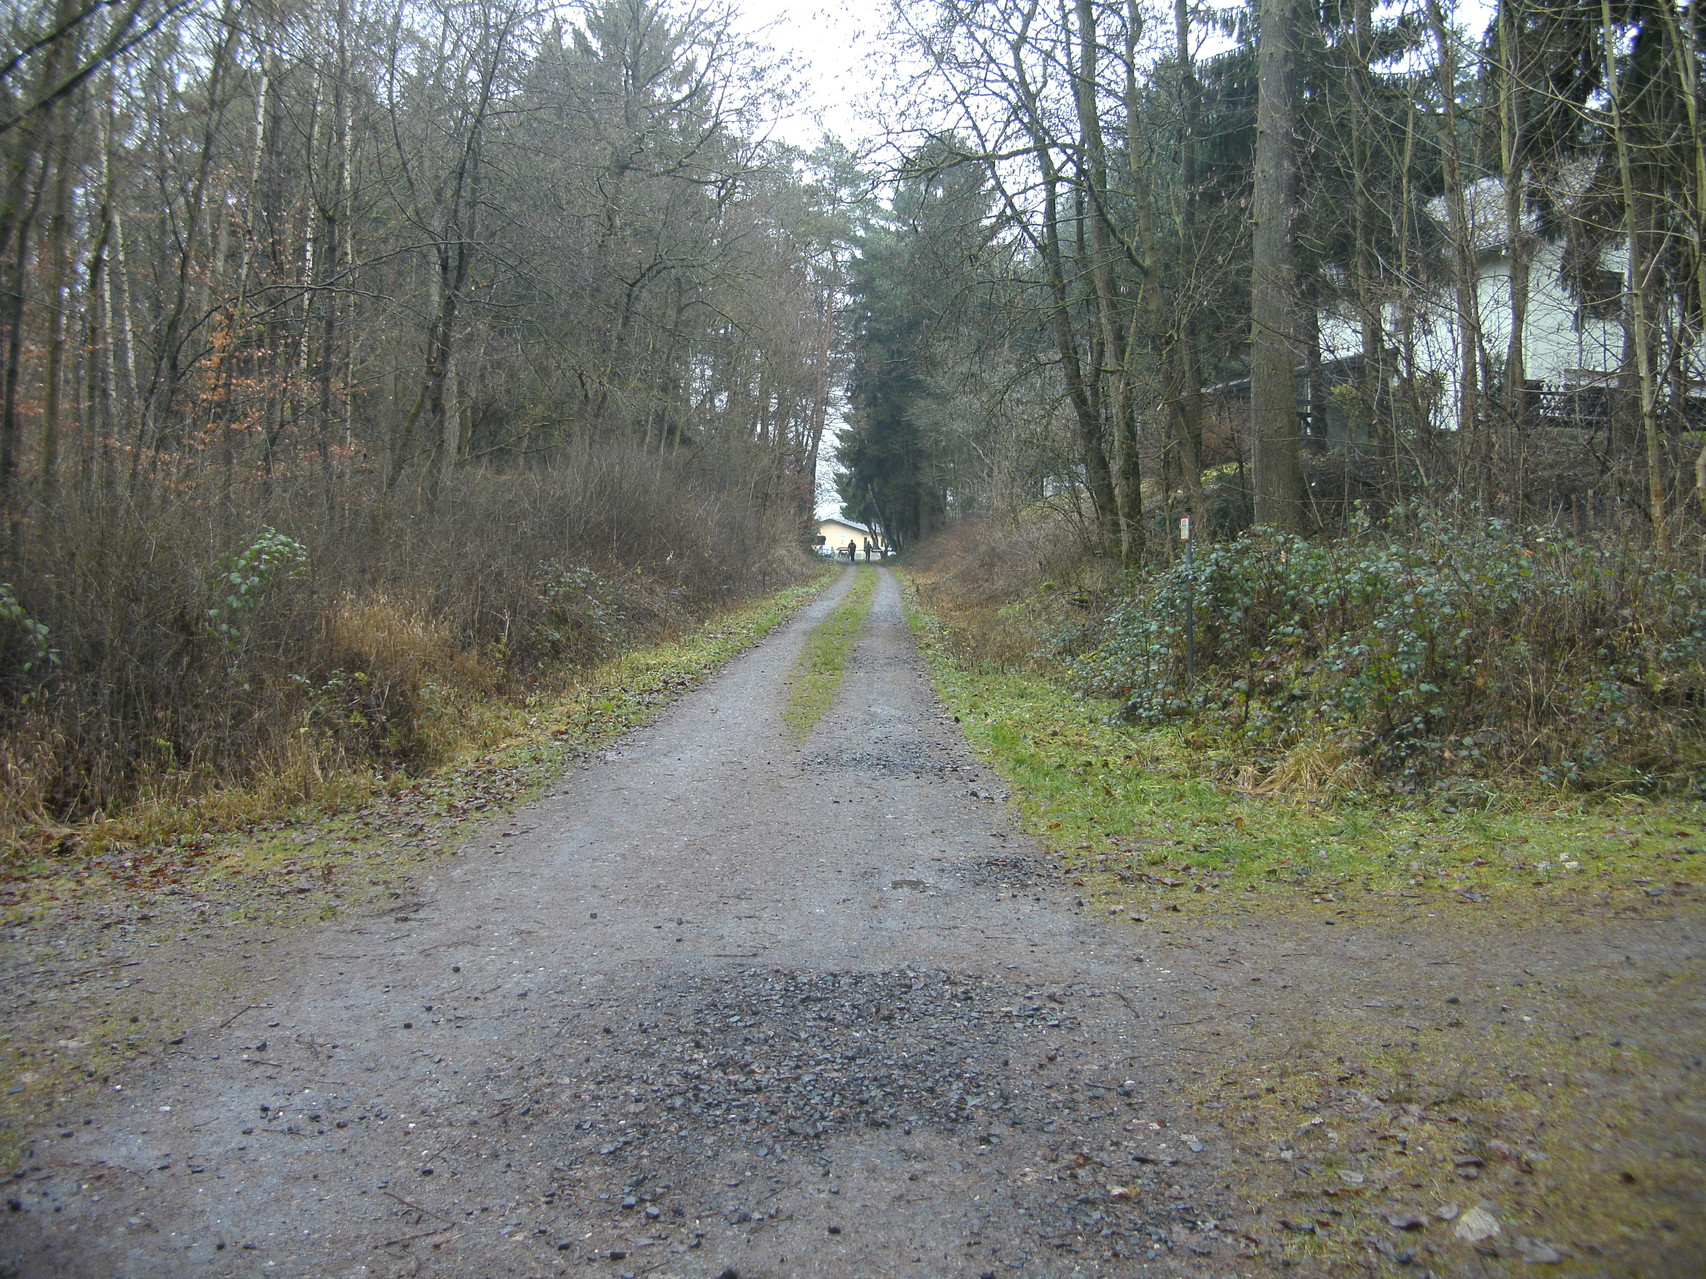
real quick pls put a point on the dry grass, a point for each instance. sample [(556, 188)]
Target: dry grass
[(1006, 586), (371, 649), (394, 642), (1318, 771)]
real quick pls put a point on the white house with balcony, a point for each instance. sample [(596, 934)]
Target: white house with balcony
[(1573, 339)]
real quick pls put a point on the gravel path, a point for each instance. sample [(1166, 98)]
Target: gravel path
[(723, 1003)]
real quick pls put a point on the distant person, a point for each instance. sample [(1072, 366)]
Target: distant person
[(852, 551), (867, 550)]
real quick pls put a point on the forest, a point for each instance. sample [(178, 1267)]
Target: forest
[(361, 364), (1261, 264), (365, 362)]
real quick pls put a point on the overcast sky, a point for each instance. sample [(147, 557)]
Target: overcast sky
[(831, 43), (837, 56)]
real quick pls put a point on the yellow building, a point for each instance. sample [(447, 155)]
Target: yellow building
[(834, 534)]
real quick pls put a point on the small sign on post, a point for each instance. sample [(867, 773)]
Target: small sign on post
[(1190, 609)]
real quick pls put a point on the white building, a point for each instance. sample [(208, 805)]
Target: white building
[(833, 535), (1572, 346)]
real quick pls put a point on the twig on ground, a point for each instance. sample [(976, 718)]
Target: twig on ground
[(409, 1203), (234, 1016)]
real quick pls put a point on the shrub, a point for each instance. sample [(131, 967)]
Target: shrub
[(24, 640), (1438, 646), (246, 579), (583, 615), (187, 638)]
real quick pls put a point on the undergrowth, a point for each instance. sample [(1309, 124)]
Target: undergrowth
[(1146, 818), (1433, 652), (174, 644), (1170, 811)]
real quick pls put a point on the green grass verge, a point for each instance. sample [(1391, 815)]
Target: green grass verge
[(1141, 812), (818, 673)]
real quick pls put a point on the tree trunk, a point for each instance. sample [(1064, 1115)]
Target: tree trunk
[(170, 368), (20, 199), (1519, 250), (1465, 268), (1112, 370), (820, 396), (1641, 265), (1185, 398), (1687, 55), (14, 280), (1374, 397), (1098, 475), (58, 284), (1273, 275)]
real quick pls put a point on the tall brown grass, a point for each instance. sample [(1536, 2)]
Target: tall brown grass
[(1007, 586)]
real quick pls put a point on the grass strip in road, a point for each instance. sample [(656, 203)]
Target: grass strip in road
[(818, 673)]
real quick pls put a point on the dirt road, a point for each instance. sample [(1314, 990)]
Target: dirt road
[(720, 1001)]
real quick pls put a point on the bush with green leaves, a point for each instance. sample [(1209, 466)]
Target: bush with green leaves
[(583, 615), (1434, 646), (24, 644), (247, 577)]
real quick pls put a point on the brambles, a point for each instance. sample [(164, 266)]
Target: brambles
[(583, 614), (1433, 648), (23, 639), (246, 579)]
